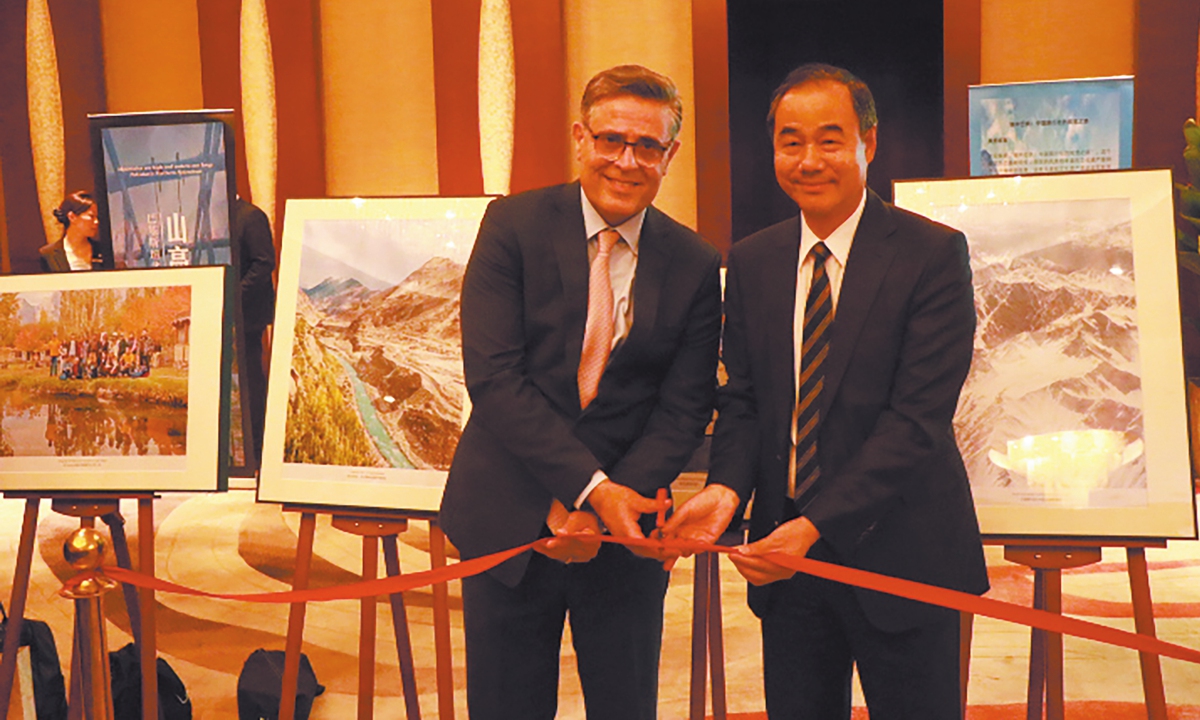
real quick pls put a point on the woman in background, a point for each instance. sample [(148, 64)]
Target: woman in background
[(76, 249)]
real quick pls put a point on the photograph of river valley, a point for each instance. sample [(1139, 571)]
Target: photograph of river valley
[(98, 372), (376, 371)]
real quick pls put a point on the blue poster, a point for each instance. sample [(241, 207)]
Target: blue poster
[(1053, 126), (168, 203)]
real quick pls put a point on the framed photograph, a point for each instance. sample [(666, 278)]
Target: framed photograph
[(1051, 126), (115, 381), (366, 400), (166, 185), (1073, 420)]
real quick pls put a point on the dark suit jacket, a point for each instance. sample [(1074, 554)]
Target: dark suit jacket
[(894, 496), (256, 262), (524, 305), (54, 257)]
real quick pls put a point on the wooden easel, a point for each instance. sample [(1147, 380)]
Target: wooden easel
[(708, 645), (383, 525), (1048, 558), (139, 602)]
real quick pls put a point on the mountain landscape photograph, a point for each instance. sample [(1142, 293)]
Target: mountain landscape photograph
[(1051, 412), (376, 372)]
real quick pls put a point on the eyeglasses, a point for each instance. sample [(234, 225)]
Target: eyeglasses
[(610, 146)]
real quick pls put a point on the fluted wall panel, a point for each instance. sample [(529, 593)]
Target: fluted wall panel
[(1023, 40), (22, 218), (541, 128), (600, 34), (220, 57), (300, 117), (497, 95), (45, 113), (456, 78), (378, 86), (258, 105), (151, 59)]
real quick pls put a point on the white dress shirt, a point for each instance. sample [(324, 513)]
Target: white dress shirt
[(622, 267), (622, 263), (838, 242)]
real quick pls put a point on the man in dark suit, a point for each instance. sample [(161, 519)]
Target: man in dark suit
[(256, 262), (848, 335), (590, 324)]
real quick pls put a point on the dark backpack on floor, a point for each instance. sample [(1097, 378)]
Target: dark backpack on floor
[(260, 686), (126, 669), (49, 691)]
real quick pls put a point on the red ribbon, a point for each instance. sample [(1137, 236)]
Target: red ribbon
[(952, 599)]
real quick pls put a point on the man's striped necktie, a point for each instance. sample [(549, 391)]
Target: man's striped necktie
[(818, 317)]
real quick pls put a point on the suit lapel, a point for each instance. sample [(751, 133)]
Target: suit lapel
[(567, 237), (653, 262), (780, 311), (870, 257)]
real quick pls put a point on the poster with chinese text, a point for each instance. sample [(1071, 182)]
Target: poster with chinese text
[(1055, 126)]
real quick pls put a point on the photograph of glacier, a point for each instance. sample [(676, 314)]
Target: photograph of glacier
[(1051, 413), (376, 373)]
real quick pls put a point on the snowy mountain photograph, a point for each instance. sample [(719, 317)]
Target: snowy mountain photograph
[(1051, 413)]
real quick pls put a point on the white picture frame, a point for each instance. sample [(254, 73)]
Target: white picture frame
[(1073, 421), (368, 288), (130, 393)]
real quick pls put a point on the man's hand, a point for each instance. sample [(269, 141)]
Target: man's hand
[(620, 508), (563, 523), (794, 537), (702, 518)]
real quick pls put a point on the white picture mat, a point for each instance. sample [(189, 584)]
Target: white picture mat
[(1168, 511), (335, 485), (199, 469)]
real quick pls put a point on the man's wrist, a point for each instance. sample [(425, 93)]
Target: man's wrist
[(727, 493), (597, 478)]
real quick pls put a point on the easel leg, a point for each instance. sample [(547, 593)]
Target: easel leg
[(966, 628), (700, 597), (716, 642), (1037, 654), (295, 633), (1054, 649), (116, 528), (149, 628), (1143, 619), (441, 626), (16, 603), (408, 677), (366, 634)]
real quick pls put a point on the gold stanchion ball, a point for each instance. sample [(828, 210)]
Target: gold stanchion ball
[(84, 549)]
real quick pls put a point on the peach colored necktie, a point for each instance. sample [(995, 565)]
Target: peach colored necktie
[(598, 334)]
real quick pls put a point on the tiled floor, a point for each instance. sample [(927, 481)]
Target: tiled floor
[(229, 543)]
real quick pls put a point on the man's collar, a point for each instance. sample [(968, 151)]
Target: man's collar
[(630, 230), (839, 240)]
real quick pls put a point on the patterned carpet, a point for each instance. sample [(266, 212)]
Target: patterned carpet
[(228, 543)]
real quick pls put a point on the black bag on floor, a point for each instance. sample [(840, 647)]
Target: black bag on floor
[(126, 669), (260, 686), (49, 691)]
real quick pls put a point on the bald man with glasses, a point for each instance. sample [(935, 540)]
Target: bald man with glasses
[(590, 325)]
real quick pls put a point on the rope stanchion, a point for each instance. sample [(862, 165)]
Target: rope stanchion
[(952, 599)]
